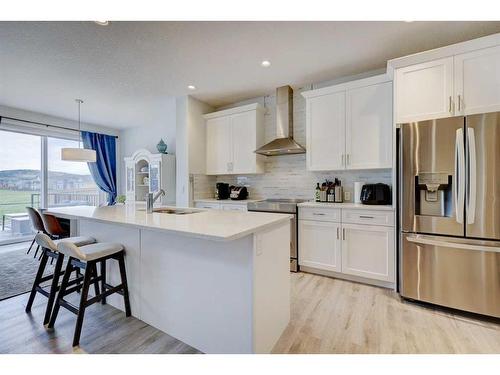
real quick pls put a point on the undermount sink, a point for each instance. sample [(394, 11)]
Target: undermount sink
[(174, 211)]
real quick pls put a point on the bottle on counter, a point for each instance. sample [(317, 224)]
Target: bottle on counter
[(318, 193), (331, 194), (339, 193)]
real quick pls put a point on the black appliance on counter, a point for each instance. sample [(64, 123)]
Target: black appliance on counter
[(222, 190), (238, 193), (376, 194)]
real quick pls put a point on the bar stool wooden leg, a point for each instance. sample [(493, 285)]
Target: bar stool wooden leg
[(83, 303), (123, 274), (103, 280), (39, 275), (53, 288), (62, 290), (96, 282)]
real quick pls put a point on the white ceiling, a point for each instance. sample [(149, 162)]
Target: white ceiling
[(126, 71)]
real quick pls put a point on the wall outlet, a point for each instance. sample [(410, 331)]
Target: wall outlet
[(347, 195)]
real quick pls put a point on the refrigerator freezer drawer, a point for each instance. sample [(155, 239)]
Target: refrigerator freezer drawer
[(459, 273)]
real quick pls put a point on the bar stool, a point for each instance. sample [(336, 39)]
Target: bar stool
[(49, 250), (37, 224), (86, 258), (53, 226)]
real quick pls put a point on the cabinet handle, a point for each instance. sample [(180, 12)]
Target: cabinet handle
[(318, 214), (337, 233), (459, 104), (348, 159), (343, 233), (449, 105), (365, 217), (342, 159)]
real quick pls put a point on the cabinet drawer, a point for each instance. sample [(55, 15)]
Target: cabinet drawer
[(372, 217), (234, 207), (319, 214), (212, 206)]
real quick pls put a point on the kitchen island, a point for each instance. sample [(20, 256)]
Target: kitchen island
[(216, 280)]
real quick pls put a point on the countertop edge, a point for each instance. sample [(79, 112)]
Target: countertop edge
[(236, 236), (347, 206)]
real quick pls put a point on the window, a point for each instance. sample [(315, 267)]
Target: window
[(68, 183), (20, 183), (33, 174)]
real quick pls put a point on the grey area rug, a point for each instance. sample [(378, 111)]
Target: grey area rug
[(18, 271)]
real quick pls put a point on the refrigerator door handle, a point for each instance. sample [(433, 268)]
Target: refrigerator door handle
[(426, 240), (471, 191), (459, 176)]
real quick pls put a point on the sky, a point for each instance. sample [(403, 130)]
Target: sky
[(22, 151)]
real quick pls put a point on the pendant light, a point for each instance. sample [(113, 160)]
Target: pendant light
[(80, 153)]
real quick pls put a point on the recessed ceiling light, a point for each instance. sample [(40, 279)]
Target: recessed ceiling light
[(192, 87), (266, 63), (102, 23)]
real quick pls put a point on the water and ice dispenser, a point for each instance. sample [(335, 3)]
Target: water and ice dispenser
[(433, 196)]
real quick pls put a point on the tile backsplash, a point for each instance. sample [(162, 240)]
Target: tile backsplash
[(286, 176)]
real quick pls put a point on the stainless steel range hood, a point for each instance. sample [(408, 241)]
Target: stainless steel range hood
[(284, 143)]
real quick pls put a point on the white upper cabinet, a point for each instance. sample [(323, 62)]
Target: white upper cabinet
[(462, 84), (244, 139), (219, 148), (477, 81), (369, 127), (425, 91), (325, 132), (349, 126), (232, 137)]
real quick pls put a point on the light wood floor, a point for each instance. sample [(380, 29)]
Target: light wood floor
[(105, 330), (327, 316), (336, 316)]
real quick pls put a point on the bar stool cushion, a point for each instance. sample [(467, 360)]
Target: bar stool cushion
[(45, 241), (88, 252)]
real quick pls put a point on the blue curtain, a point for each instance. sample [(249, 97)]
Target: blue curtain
[(103, 171)]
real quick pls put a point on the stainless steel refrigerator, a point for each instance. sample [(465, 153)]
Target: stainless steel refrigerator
[(449, 192)]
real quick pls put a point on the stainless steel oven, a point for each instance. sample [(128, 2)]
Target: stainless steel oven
[(286, 206)]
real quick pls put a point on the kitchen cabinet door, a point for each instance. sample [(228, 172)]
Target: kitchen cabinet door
[(130, 176), (319, 245), (425, 91), (219, 145), (368, 251), (477, 81), (369, 127), (244, 159), (325, 131), (233, 207), (154, 176)]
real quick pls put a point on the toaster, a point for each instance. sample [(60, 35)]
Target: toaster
[(376, 194), (238, 193)]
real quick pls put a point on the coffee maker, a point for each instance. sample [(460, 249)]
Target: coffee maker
[(222, 190)]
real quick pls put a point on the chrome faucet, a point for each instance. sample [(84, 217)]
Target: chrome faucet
[(151, 199)]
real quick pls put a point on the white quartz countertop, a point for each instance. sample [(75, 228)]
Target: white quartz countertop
[(217, 225), (356, 206), (227, 201)]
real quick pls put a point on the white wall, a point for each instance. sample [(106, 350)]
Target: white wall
[(191, 145), (148, 135)]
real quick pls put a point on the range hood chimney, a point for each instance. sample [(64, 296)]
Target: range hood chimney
[(284, 143)]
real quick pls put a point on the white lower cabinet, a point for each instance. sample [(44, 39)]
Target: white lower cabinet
[(319, 244), (368, 251), (359, 250)]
